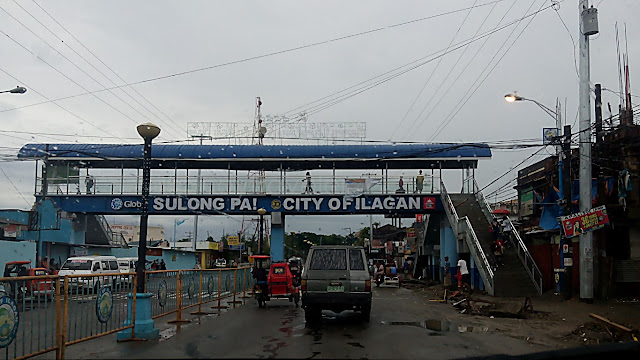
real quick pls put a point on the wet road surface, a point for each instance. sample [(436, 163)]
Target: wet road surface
[(403, 325)]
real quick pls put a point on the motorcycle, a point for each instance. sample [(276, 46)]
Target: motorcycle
[(379, 279)]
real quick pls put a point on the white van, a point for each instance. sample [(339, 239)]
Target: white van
[(127, 265), (90, 265)]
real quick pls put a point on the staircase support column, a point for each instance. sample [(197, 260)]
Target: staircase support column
[(277, 237), (448, 248)]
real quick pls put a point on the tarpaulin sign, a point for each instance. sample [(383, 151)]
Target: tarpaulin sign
[(576, 224)]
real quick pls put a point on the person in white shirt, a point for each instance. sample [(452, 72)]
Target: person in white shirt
[(506, 230), (464, 271)]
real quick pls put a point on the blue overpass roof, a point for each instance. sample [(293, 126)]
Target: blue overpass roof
[(267, 157)]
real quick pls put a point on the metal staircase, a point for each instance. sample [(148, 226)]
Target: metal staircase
[(470, 215), (99, 232)]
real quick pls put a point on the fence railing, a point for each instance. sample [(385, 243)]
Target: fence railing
[(47, 313), (215, 185)]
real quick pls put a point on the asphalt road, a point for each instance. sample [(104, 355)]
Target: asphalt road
[(403, 325)]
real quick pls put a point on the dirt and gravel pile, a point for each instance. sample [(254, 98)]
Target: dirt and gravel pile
[(590, 333)]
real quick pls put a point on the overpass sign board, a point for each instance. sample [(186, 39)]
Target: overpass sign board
[(249, 205)]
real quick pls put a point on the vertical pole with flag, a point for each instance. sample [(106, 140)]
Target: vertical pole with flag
[(176, 222)]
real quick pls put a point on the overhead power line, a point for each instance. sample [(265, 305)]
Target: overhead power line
[(108, 67), (234, 62), (31, 88), (61, 72), (436, 67), (461, 72), (358, 89), (452, 116)]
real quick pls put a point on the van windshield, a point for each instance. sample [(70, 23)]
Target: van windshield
[(77, 265)]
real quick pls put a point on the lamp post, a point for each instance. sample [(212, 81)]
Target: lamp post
[(556, 115), (148, 132), (261, 212)]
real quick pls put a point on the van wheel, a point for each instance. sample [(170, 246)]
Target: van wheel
[(366, 313), (312, 314)]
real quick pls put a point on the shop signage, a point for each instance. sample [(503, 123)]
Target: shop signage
[(576, 224)]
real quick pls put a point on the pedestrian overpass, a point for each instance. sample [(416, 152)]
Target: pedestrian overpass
[(241, 179)]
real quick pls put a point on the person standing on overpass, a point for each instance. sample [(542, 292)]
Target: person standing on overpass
[(419, 182)]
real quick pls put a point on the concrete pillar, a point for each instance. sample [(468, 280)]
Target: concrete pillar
[(144, 325), (277, 236), (448, 247), (472, 271)]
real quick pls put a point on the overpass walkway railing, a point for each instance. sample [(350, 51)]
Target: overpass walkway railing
[(47, 313), (236, 185)]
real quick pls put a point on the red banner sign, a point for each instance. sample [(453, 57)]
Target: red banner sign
[(576, 224), (429, 203), (154, 252)]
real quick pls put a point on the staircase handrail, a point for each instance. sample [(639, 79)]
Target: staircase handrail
[(527, 260), (452, 214), (474, 246), (111, 235), (486, 209), (470, 237), (521, 248)]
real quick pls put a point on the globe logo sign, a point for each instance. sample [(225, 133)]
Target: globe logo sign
[(9, 321), (210, 286), (117, 204), (162, 293), (104, 304), (191, 288)]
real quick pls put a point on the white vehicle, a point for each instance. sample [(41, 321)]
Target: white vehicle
[(90, 265), (221, 263), (127, 265)]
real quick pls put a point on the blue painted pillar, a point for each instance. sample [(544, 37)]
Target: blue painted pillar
[(448, 247), (472, 272), (143, 323), (277, 237)]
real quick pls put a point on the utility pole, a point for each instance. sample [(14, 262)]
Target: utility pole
[(588, 26), (567, 179), (195, 220)]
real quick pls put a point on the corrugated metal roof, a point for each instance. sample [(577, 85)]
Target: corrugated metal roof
[(161, 151), (267, 157)]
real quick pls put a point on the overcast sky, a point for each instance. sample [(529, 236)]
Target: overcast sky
[(462, 100)]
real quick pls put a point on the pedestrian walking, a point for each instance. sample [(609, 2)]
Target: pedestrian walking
[(400, 186), (507, 227), (154, 265), (89, 183), (495, 229), (464, 275), (419, 182), (447, 272), (53, 268), (163, 265), (308, 189)]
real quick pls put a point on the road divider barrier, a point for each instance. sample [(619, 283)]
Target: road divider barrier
[(47, 313)]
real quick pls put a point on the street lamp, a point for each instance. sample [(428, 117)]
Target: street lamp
[(557, 116), (148, 132), (515, 97), (16, 90), (261, 212)]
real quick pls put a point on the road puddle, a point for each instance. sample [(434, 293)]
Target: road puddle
[(440, 326)]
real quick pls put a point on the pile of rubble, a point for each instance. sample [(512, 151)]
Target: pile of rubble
[(491, 307)]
